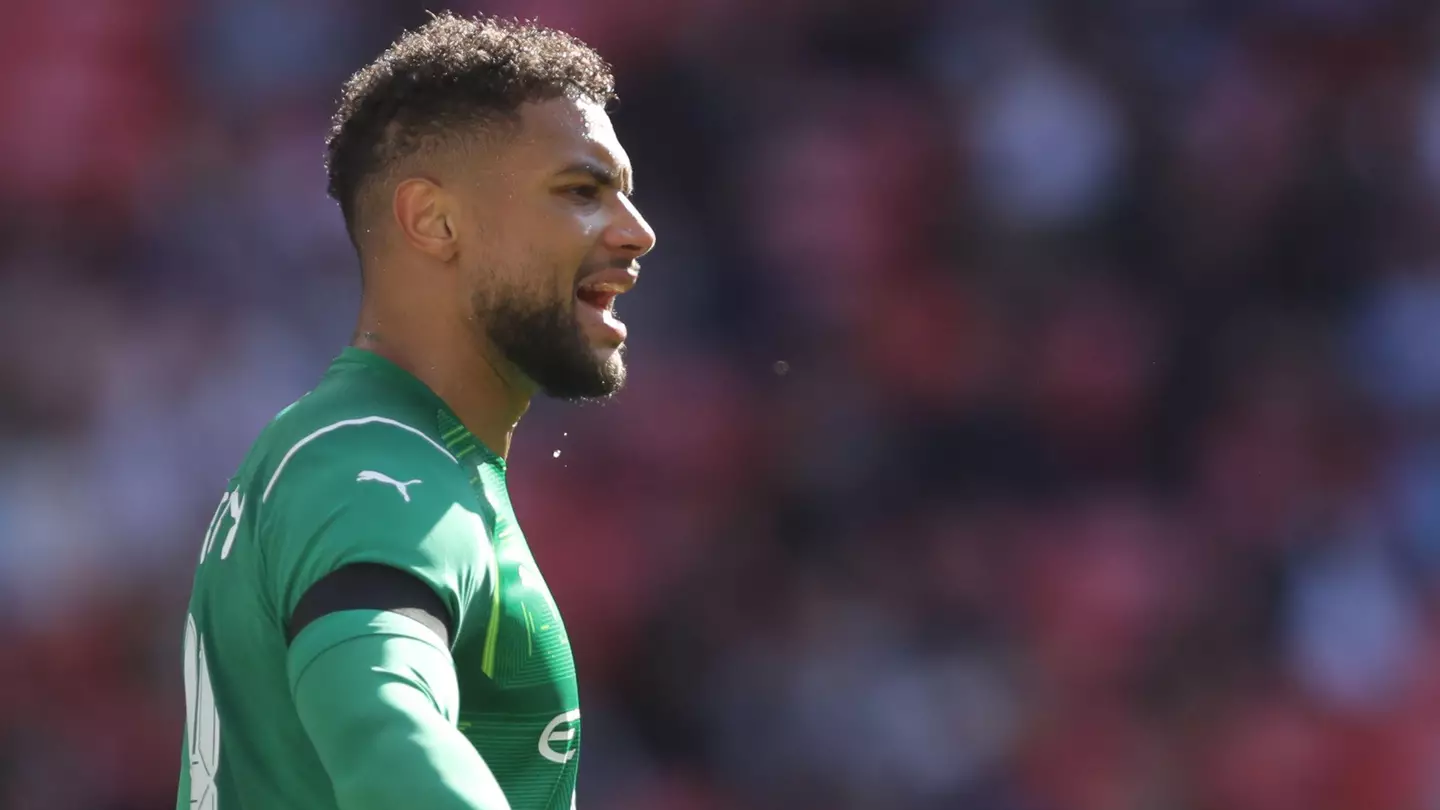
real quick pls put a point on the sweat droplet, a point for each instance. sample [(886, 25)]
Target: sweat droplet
[(557, 454)]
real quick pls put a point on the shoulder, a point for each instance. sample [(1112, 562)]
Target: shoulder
[(325, 439), (360, 487), (372, 447)]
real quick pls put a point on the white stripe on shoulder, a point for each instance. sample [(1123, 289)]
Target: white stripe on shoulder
[(366, 420)]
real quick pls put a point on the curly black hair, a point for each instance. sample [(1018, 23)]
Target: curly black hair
[(445, 80)]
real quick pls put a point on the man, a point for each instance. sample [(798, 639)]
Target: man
[(368, 629)]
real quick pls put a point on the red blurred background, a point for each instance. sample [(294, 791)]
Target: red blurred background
[(1033, 404)]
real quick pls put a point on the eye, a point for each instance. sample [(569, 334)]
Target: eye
[(588, 192)]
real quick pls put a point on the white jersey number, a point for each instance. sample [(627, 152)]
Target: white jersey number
[(232, 506), (202, 722)]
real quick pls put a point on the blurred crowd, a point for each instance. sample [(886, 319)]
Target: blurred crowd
[(1033, 405)]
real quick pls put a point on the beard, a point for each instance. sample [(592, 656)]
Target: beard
[(546, 343)]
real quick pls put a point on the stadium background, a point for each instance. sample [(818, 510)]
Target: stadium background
[(1033, 405)]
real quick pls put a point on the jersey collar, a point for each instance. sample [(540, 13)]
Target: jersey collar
[(457, 438)]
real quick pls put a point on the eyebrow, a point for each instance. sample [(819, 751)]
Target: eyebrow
[(604, 175)]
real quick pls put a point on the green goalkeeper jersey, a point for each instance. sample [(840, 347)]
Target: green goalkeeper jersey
[(370, 467)]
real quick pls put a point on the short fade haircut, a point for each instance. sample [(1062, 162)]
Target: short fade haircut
[(442, 82)]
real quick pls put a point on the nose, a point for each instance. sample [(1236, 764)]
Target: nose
[(630, 233)]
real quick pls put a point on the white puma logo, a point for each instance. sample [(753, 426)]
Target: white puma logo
[(403, 486)]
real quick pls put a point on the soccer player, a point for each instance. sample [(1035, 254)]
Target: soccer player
[(367, 628)]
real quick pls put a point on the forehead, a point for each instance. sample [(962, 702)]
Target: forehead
[(564, 130)]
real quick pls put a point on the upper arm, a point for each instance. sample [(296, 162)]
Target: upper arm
[(374, 517), (371, 586), (379, 700)]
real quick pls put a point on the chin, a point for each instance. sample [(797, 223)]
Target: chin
[(612, 364), (601, 381)]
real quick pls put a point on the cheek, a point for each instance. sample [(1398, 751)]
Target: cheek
[(571, 249), (536, 257), (593, 224)]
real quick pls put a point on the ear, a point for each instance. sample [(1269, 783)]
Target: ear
[(425, 213)]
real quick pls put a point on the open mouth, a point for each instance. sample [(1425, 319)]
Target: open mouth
[(600, 292), (598, 296), (598, 313)]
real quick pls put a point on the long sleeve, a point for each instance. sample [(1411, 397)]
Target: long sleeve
[(377, 694)]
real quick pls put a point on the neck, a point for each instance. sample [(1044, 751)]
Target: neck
[(480, 387)]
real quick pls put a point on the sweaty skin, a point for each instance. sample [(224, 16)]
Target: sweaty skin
[(476, 238)]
